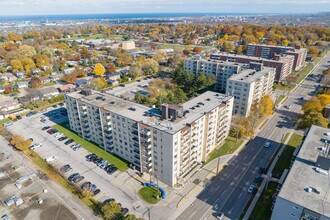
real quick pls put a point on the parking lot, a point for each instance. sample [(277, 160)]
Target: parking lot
[(112, 184), (32, 198)]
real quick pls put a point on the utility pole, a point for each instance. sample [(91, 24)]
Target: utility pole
[(218, 166)]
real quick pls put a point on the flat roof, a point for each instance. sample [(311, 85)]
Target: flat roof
[(303, 175), (193, 109), (252, 58), (250, 75), (226, 63)]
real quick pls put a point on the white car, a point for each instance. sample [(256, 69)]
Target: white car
[(219, 215), (58, 135), (267, 144), (52, 158), (289, 106), (7, 124), (34, 146), (251, 188)]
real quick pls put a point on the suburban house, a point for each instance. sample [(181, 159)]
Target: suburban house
[(68, 71), (33, 96), (56, 77), (48, 92), (8, 77), (82, 82), (22, 84), (66, 88), (9, 105), (114, 76), (44, 79)]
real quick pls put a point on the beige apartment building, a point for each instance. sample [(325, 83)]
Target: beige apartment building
[(249, 87), (170, 143)]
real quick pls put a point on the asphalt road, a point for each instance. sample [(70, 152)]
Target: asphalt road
[(228, 191)]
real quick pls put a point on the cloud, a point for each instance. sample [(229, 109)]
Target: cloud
[(28, 7)]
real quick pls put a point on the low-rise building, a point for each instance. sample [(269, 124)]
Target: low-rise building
[(48, 92), (66, 88), (9, 105), (248, 87), (22, 84), (170, 144), (128, 45), (304, 194), (8, 77)]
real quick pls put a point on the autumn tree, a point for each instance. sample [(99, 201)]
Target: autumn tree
[(151, 67), (99, 83), (197, 50), (99, 69), (267, 105), (228, 46), (312, 104), (35, 82), (16, 65), (28, 64), (69, 78), (111, 68), (20, 143), (314, 51), (123, 59), (135, 70), (111, 211), (312, 117), (8, 90), (14, 37), (156, 88), (79, 72), (324, 99)]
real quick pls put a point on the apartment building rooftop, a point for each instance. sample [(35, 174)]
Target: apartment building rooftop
[(227, 63), (265, 45), (307, 183), (252, 58), (250, 75), (192, 109)]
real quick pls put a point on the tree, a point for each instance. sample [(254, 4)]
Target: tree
[(14, 37), (111, 68), (20, 143), (324, 99), (123, 59), (197, 50), (314, 51), (69, 78), (99, 83), (159, 56), (135, 70), (8, 90), (267, 104), (132, 217), (151, 67), (228, 46), (79, 72), (28, 64), (35, 82), (111, 211), (99, 69), (312, 104), (16, 65), (313, 118), (156, 88)]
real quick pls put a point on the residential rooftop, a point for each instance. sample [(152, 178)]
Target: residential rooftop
[(250, 75), (252, 58), (305, 175), (193, 109)]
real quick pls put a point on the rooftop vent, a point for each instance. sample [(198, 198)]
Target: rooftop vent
[(327, 133), (312, 189), (132, 109), (112, 102), (208, 99)]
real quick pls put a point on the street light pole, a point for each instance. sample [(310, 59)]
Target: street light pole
[(218, 166)]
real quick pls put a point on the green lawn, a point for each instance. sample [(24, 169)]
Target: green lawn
[(120, 163), (262, 210), (286, 156), (228, 147), (4, 121), (50, 84), (150, 194), (280, 98)]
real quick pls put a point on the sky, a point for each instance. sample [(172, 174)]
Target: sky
[(53, 7)]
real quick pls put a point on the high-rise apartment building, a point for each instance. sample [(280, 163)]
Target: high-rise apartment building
[(249, 87), (303, 194), (270, 52), (170, 144), (282, 63)]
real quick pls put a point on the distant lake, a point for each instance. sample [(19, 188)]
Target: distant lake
[(115, 16)]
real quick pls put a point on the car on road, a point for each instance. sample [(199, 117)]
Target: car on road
[(50, 159), (62, 138), (124, 211), (219, 215), (34, 146), (122, 85), (73, 176), (7, 124), (69, 142), (257, 179), (267, 144), (251, 188), (261, 170), (45, 128), (95, 192), (288, 106)]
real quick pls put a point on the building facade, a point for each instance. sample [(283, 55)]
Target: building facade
[(304, 194), (249, 87), (270, 52), (170, 144), (220, 69), (282, 63)]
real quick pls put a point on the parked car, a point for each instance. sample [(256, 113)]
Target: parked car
[(78, 179), (124, 211), (69, 142), (86, 186), (261, 170), (61, 104), (52, 158), (288, 106), (45, 128), (19, 117), (95, 192), (66, 169), (90, 155), (58, 135), (62, 138), (251, 188), (219, 215), (257, 179), (107, 201), (73, 176), (34, 146), (7, 124)]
